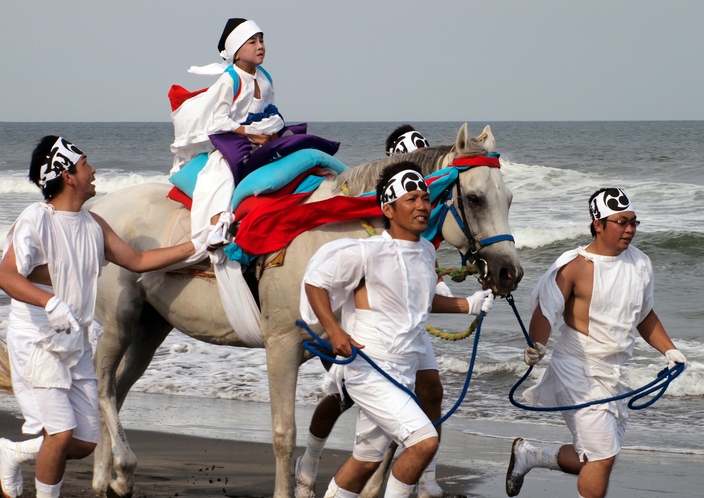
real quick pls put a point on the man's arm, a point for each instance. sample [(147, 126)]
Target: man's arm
[(341, 341), (442, 304), (17, 286), (653, 332), (482, 300), (122, 254), (540, 327)]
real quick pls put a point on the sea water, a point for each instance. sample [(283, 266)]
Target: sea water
[(551, 167)]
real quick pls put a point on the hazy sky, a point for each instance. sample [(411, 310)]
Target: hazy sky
[(413, 60)]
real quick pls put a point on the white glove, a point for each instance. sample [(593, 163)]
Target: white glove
[(216, 236), (442, 289), (675, 356), (532, 355), (480, 301), (203, 240), (61, 316)]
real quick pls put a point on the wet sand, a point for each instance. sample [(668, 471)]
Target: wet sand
[(469, 464)]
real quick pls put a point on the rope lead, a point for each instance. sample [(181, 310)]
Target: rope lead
[(661, 383)]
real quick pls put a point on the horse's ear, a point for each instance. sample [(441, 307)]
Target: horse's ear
[(462, 139), (487, 139)]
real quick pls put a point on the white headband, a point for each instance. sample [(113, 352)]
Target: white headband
[(238, 37), (233, 42), (408, 142), (63, 156), (402, 183), (610, 201)]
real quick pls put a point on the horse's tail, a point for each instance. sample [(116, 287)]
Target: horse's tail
[(5, 378)]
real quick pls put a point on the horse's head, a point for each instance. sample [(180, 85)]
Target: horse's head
[(479, 225)]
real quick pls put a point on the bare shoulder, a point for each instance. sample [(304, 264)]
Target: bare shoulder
[(574, 271)]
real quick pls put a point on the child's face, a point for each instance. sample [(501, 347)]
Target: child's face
[(251, 54)]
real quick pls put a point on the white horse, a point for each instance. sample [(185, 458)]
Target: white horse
[(138, 315)]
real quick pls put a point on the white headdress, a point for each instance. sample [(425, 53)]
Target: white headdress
[(236, 33)]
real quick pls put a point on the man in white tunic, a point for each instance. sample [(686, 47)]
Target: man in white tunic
[(604, 292), (428, 388), (51, 262), (385, 287)]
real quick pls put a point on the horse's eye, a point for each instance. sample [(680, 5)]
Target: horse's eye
[(474, 200)]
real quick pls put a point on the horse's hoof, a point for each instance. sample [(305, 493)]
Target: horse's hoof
[(111, 493)]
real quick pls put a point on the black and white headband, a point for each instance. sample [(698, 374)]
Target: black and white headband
[(63, 156), (408, 142), (610, 201), (402, 183)]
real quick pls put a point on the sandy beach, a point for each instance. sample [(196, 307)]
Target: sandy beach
[(175, 463)]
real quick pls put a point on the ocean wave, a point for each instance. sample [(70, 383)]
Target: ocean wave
[(106, 181), (550, 204)]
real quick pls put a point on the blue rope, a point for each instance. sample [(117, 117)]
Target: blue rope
[(318, 347), (661, 383)]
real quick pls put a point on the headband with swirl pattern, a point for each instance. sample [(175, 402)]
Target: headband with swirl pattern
[(402, 183), (63, 156)]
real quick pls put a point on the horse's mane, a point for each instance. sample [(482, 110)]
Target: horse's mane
[(364, 177)]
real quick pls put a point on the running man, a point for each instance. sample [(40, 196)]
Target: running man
[(52, 259), (385, 287), (604, 292)]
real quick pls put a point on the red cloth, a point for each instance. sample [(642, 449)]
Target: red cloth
[(178, 195), (255, 201), (491, 161), (271, 227), (178, 95)]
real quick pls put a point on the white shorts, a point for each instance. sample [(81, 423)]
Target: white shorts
[(386, 412), (596, 434), (51, 409), (427, 360)]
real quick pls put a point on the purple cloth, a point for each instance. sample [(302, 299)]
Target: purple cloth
[(237, 149)]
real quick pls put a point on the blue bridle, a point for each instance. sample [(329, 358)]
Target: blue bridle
[(446, 203)]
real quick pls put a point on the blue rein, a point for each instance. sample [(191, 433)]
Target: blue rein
[(318, 347), (661, 383), (323, 349)]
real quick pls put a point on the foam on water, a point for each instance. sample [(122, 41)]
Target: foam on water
[(106, 180)]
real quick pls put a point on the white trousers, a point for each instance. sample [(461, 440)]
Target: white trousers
[(52, 409)]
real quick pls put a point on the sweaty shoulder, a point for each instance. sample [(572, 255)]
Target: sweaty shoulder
[(576, 268)]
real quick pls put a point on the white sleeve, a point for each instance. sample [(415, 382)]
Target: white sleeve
[(648, 292), (26, 236), (205, 114), (337, 267), (547, 294)]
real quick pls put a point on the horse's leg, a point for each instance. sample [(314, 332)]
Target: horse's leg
[(150, 334), (134, 319), (284, 355), (112, 442), (373, 488)]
